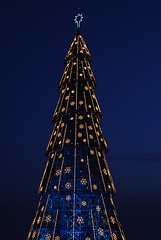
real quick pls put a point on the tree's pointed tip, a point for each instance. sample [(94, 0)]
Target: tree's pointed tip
[(78, 31)]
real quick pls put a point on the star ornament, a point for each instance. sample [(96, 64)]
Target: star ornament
[(78, 19)]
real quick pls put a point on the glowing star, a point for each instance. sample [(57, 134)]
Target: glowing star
[(78, 19)]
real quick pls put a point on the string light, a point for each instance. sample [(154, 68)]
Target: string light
[(80, 117), (57, 238), (80, 220), (79, 135), (94, 186), (98, 208), (81, 126), (72, 103), (68, 197), (38, 220), (83, 181), (67, 97), (100, 231), (91, 136), (91, 152), (67, 169), (58, 172), (33, 234), (84, 203), (105, 172), (68, 185), (48, 218), (114, 236), (112, 220), (80, 102), (67, 140)]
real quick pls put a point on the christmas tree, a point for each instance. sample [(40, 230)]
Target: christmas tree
[(76, 188)]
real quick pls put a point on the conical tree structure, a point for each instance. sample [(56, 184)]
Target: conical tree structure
[(76, 188)]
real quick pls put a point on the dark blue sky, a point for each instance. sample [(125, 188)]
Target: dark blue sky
[(124, 40)]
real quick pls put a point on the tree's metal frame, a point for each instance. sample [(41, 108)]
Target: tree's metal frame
[(76, 189)]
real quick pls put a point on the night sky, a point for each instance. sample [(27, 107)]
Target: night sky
[(124, 40)]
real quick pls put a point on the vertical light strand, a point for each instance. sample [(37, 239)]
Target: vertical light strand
[(95, 132), (64, 136), (55, 129), (119, 224), (66, 111), (77, 44), (107, 218), (43, 217), (71, 71), (74, 197), (57, 211), (85, 103), (89, 172), (86, 120), (40, 186), (83, 70), (93, 225), (33, 222), (61, 98), (101, 171), (109, 174), (84, 44), (50, 173), (77, 69), (90, 95), (98, 105), (75, 163), (63, 76), (61, 174)]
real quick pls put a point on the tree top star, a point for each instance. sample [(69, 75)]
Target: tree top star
[(78, 19)]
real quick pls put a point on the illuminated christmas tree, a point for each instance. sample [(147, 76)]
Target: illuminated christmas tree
[(76, 188)]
